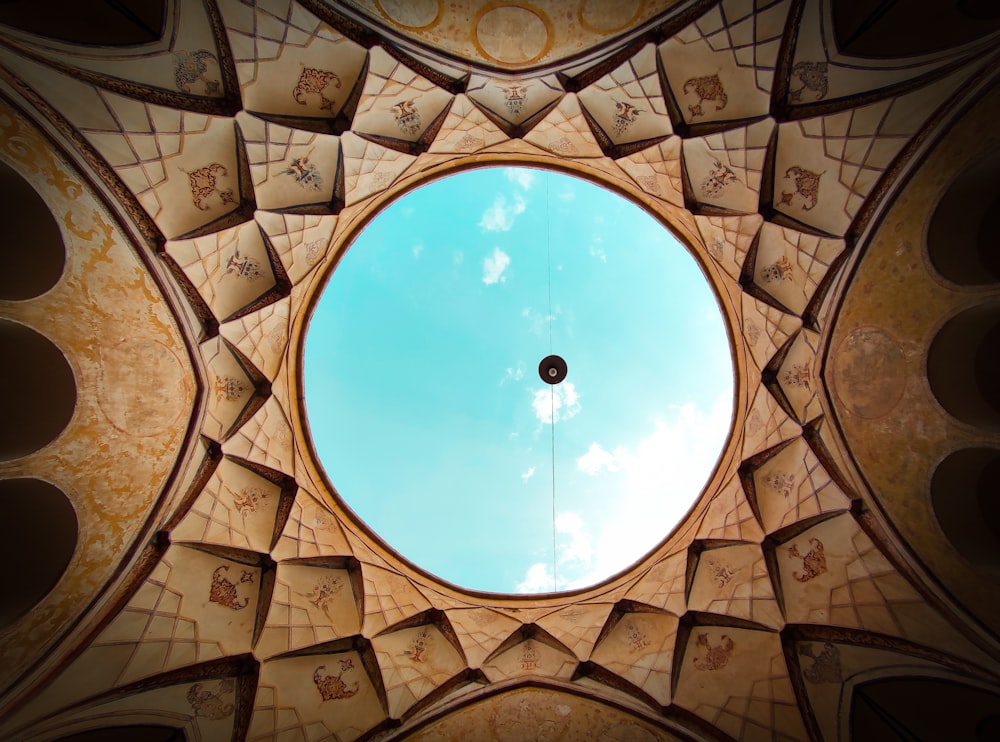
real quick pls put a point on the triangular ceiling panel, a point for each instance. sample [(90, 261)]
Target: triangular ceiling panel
[(664, 585), (370, 168), (234, 389), (389, 598), (577, 626), (737, 680), (767, 424), (724, 169), (398, 107), (231, 270), (721, 67), (301, 241), (186, 68), (564, 131), (790, 485), (626, 106), (514, 105), (765, 329), (292, 67), (266, 439), (789, 265), (728, 239), (480, 631), (733, 580), (795, 380), (820, 72), (331, 695), (657, 170), (639, 647), (415, 661), (466, 130), (834, 574), (238, 508), (310, 531), (292, 169), (261, 336), (825, 167), (729, 517), (313, 603)]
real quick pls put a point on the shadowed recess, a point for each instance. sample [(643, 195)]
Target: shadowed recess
[(35, 512), (39, 391)]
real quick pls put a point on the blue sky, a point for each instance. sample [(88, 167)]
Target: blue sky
[(425, 404)]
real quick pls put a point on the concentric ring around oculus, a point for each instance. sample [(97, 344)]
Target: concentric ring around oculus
[(552, 369)]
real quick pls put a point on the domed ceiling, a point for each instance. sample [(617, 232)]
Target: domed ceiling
[(199, 181)]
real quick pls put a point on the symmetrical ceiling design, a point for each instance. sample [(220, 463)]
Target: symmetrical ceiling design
[(204, 185)]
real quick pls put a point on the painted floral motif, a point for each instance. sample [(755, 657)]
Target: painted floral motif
[(208, 704), (529, 657), (754, 423), (419, 647), (243, 266), (806, 184), (324, 591), (812, 75), (715, 248), (407, 117), (713, 658), (722, 572), (625, 116), (826, 665), (813, 562), (636, 638), (779, 270), (305, 173), (707, 88), (469, 143), (314, 251), (204, 182), (226, 593), (248, 499), (515, 95), (798, 375), (314, 81), (649, 183), (719, 178), (562, 146), (229, 389), (752, 331), (333, 687), (781, 483), (190, 69)]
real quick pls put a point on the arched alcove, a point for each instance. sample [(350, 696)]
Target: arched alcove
[(38, 535), (94, 22), (33, 249), (961, 236), (963, 365), (913, 708), (39, 391), (130, 733), (963, 495)]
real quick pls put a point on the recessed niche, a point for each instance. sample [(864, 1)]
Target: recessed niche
[(964, 491), (38, 534), (37, 390), (130, 733), (963, 366), (434, 413), (91, 22), (34, 253), (962, 234)]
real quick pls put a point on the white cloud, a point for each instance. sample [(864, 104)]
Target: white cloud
[(652, 484), (539, 322), (417, 249), (500, 216), (566, 196), (525, 476), (558, 402), (537, 580), (513, 374), (522, 176), (597, 458), (458, 257), (494, 266), (598, 252)]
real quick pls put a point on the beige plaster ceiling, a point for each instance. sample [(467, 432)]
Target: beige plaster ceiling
[(203, 185)]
